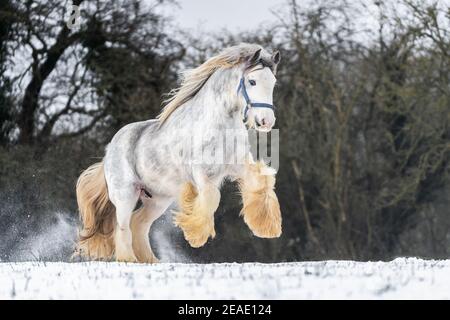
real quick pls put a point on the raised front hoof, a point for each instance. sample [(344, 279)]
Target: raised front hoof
[(198, 240), (268, 229), (196, 229), (263, 220)]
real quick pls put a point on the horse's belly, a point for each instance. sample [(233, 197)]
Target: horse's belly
[(167, 185)]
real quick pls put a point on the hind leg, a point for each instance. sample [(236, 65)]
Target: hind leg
[(123, 238), (141, 222)]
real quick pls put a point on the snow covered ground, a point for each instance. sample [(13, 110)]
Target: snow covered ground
[(402, 278)]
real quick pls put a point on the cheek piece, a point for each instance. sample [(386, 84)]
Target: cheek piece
[(249, 103)]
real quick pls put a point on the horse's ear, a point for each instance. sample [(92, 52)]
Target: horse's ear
[(276, 56), (255, 58)]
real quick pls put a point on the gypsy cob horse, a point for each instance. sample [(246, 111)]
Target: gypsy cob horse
[(232, 91)]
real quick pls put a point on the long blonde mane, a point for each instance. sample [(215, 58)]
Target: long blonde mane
[(194, 79)]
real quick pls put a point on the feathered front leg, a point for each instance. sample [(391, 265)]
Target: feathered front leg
[(196, 215), (261, 210)]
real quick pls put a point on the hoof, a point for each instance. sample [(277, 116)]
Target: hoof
[(196, 228), (127, 259)]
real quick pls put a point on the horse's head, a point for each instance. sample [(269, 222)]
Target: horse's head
[(256, 88)]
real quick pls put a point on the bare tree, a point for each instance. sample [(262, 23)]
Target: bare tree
[(65, 63)]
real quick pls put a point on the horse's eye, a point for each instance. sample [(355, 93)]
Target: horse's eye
[(252, 82)]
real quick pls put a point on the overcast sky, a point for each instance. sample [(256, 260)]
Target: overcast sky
[(245, 15), (235, 15)]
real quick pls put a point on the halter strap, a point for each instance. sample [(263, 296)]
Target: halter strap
[(249, 103)]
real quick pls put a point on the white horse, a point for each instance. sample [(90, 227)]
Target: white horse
[(230, 91)]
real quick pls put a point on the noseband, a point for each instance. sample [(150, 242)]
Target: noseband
[(249, 103)]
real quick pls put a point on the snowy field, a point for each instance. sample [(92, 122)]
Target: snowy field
[(402, 278)]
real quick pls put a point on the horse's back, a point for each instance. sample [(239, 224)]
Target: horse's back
[(126, 139)]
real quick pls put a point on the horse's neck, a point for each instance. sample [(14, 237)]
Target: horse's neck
[(217, 102), (215, 106)]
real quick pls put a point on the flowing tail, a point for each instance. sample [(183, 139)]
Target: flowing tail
[(97, 214)]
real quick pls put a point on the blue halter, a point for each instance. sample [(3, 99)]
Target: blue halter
[(249, 103)]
